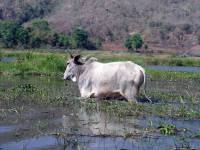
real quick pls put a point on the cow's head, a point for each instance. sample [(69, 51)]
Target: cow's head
[(72, 68)]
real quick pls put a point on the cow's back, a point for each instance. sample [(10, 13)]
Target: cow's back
[(111, 75)]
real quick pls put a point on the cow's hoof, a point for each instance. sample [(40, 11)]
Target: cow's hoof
[(132, 101)]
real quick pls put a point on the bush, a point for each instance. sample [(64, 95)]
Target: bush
[(79, 38), (146, 47), (63, 41), (23, 37), (8, 31), (137, 41), (128, 43), (35, 42), (40, 24), (54, 39), (134, 42), (40, 29)]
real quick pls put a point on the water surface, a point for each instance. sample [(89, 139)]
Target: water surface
[(174, 68), (36, 126)]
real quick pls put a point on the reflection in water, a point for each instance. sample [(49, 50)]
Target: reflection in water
[(33, 143), (155, 142), (97, 143), (99, 131), (97, 123), (4, 129)]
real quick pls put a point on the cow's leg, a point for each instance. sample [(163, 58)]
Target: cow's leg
[(131, 93), (85, 93)]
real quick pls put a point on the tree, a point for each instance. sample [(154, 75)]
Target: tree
[(23, 37), (146, 46), (35, 42), (40, 24), (8, 33), (40, 29), (137, 41), (134, 42), (54, 40), (128, 43), (63, 41), (79, 38)]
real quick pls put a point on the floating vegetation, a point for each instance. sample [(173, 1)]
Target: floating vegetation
[(25, 88), (197, 135), (168, 129)]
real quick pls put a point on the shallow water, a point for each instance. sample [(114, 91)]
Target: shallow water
[(174, 68), (33, 127), (32, 143), (96, 143), (8, 59), (6, 128)]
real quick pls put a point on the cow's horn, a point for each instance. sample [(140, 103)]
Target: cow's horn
[(71, 56), (87, 58)]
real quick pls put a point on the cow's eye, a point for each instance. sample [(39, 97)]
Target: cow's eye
[(67, 63)]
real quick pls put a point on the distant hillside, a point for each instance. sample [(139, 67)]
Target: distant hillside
[(173, 24)]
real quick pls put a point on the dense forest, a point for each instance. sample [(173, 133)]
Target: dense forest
[(170, 24)]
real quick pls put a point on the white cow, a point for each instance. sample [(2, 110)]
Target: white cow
[(98, 80)]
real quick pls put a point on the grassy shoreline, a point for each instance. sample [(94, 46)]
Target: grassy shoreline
[(53, 64)]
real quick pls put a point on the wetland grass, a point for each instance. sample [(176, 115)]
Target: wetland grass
[(33, 63), (165, 104), (53, 64), (30, 94)]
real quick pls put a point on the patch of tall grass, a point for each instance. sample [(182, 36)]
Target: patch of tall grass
[(172, 61), (171, 75), (54, 63), (29, 62)]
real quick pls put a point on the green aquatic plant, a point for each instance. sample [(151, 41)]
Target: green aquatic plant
[(197, 135), (25, 88), (168, 129), (129, 135)]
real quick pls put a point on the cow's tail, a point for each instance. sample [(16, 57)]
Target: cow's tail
[(144, 85)]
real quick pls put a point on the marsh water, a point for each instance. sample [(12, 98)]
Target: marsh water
[(47, 113), (175, 68)]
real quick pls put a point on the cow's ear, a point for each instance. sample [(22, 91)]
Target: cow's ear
[(77, 60)]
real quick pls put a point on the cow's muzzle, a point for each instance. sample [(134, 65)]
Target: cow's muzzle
[(66, 78)]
